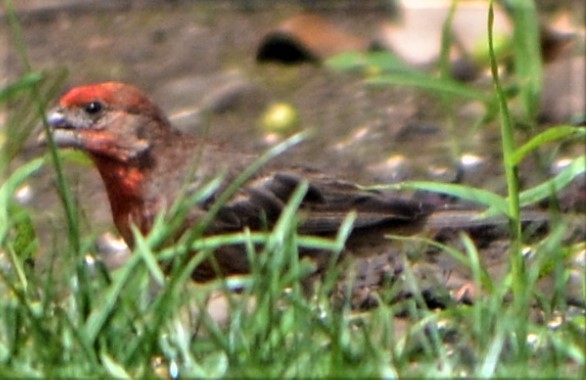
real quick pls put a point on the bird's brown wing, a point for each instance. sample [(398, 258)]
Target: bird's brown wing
[(326, 204)]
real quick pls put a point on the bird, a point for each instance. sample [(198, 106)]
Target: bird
[(146, 164)]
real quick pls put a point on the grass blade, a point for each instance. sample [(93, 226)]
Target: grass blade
[(554, 185), (550, 135), (484, 197)]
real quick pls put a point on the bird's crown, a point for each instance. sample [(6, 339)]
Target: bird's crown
[(113, 95)]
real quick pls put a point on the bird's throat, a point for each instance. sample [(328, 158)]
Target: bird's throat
[(123, 184)]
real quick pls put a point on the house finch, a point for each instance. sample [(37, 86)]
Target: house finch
[(145, 164)]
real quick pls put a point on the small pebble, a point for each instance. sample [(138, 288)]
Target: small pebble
[(470, 160), (24, 194)]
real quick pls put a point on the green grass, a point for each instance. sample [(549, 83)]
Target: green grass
[(79, 320)]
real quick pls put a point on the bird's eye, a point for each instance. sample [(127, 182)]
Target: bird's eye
[(93, 108)]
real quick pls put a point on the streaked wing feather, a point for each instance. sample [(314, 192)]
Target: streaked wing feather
[(324, 207)]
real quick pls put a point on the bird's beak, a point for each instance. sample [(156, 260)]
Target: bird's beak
[(56, 119), (64, 134)]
